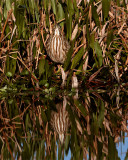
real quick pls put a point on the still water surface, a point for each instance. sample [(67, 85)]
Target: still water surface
[(89, 124)]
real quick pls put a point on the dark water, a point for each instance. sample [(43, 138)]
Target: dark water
[(60, 124)]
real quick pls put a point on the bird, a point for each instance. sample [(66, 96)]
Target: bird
[(57, 47)]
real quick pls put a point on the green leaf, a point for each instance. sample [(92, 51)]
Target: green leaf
[(32, 4), (9, 74), (53, 3), (8, 5), (37, 13), (41, 67), (46, 69), (68, 59), (81, 108), (105, 8), (100, 147), (95, 15), (98, 52), (45, 5), (110, 37), (25, 72), (68, 24), (73, 135), (44, 117), (20, 19), (59, 152), (10, 101), (101, 114), (60, 13), (13, 63), (0, 20), (77, 58), (66, 144), (71, 115), (5, 12), (118, 2), (75, 5), (26, 121), (80, 68), (70, 7), (112, 152)]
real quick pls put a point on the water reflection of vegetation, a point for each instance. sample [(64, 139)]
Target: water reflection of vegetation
[(31, 126)]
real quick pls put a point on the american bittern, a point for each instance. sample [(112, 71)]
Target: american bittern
[(57, 47)]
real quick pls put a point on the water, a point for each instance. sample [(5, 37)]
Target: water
[(90, 124), (122, 148)]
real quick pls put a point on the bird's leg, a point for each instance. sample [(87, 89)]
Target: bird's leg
[(74, 81), (75, 85), (64, 76)]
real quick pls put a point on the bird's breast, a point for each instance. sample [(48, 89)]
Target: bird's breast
[(57, 50)]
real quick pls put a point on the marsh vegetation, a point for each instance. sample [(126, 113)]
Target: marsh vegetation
[(38, 118)]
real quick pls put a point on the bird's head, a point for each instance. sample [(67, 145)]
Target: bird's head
[(57, 30)]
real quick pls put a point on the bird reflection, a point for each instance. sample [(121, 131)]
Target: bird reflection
[(60, 120)]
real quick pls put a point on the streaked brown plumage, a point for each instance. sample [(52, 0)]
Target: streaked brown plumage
[(57, 45), (60, 121)]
